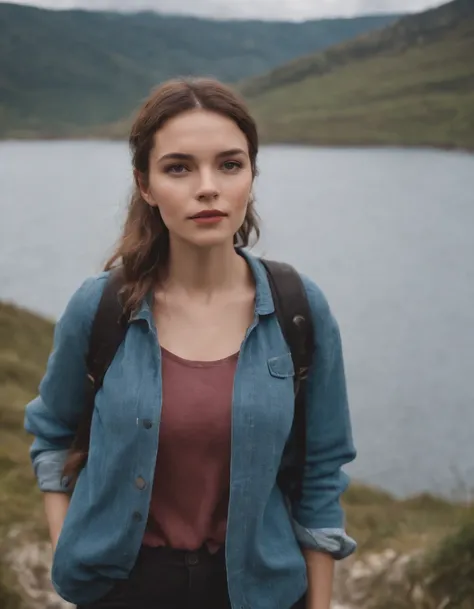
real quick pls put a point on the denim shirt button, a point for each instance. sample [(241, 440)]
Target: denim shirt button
[(140, 483), (147, 424), (137, 517)]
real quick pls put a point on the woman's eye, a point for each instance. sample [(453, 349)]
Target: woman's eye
[(232, 165), (176, 169)]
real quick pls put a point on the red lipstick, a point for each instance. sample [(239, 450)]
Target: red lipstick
[(208, 216)]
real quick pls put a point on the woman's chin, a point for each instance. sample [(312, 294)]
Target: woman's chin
[(209, 238)]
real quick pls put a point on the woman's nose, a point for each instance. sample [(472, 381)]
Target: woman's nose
[(208, 188)]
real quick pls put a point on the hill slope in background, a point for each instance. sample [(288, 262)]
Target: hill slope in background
[(61, 70), (389, 531), (409, 84)]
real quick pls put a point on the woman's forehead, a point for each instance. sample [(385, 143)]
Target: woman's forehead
[(199, 132)]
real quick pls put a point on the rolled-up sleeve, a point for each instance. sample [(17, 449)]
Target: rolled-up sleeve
[(318, 516), (52, 417)]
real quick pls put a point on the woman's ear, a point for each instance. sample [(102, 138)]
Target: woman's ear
[(142, 184)]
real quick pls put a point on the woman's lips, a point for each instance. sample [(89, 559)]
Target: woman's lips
[(208, 216)]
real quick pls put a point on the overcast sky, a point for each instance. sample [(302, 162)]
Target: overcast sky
[(260, 9)]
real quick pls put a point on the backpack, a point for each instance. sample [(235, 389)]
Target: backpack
[(294, 316)]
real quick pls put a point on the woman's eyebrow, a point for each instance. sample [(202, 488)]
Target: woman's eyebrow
[(231, 152), (177, 155)]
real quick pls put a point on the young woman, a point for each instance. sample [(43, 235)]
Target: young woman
[(178, 506)]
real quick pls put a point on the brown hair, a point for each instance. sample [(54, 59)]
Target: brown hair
[(143, 248)]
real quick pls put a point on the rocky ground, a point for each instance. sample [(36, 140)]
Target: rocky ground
[(31, 563)]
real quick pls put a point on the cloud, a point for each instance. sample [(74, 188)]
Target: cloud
[(258, 9)]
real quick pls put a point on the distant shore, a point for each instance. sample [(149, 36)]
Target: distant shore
[(326, 143)]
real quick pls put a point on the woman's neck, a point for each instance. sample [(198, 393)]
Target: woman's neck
[(205, 271)]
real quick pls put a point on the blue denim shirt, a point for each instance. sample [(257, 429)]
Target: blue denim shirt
[(106, 520)]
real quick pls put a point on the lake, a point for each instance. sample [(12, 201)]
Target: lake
[(387, 234)]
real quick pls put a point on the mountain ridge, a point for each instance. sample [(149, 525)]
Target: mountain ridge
[(411, 83), (425, 24), (66, 71)]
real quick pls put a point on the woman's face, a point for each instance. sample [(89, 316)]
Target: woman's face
[(200, 177)]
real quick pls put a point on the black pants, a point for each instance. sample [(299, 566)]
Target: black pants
[(172, 579)]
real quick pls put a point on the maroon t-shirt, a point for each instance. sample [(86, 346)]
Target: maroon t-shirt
[(191, 486)]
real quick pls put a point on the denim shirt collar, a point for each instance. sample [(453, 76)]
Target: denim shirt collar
[(263, 295), (145, 311), (263, 298)]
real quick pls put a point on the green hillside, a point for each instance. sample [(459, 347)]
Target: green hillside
[(409, 84), (64, 72)]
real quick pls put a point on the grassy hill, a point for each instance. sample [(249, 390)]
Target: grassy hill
[(64, 72), (409, 84), (442, 531), (25, 341)]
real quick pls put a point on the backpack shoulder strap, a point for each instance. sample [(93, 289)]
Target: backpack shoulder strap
[(293, 312), (108, 331), (294, 316)]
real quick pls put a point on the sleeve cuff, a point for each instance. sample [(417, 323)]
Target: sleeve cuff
[(332, 541), (48, 467)]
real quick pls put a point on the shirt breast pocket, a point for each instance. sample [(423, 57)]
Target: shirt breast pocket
[(281, 366), (279, 398)]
